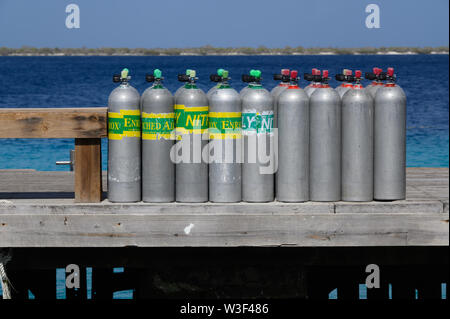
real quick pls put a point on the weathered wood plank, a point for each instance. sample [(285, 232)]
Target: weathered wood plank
[(88, 170), (168, 230), (31, 181), (53, 122)]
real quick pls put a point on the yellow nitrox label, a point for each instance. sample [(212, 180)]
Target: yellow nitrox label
[(191, 119), (125, 123), (158, 125), (225, 125)]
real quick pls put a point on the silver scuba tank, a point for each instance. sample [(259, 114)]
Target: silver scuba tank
[(191, 122), (158, 125), (357, 143), (225, 146), (124, 142), (259, 154), (292, 178), (325, 143), (390, 141)]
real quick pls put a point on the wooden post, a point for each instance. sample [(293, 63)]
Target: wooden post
[(88, 170)]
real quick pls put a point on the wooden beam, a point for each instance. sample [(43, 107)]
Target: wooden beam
[(88, 170), (95, 228), (53, 122)]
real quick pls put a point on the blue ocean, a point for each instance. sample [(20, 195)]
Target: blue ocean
[(87, 82)]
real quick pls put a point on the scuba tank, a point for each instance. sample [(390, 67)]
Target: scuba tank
[(347, 78), (390, 141), (181, 88), (276, 91), (225, 182), (124, 142), (256, 74), (325, 143), (377, 78), (191, 122), (257, 129), (158, 124), (357, 143), (315, 78), (214, 88), (292, 178)]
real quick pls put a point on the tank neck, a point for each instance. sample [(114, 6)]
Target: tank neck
[(190, 85), (224, 86), (157, 84), (255, 85)]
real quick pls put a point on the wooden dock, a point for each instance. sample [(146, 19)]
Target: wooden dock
[(37, 210)]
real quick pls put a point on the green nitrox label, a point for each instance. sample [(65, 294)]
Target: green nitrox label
[(225, 125), (158, 125), (257, 122), (191, 119), (124, 123)]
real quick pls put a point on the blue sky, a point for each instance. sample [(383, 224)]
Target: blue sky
[(192, 23)]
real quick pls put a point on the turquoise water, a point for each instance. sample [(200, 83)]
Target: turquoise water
[(86, 81)]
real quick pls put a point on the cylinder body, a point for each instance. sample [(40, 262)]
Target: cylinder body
[(225, 182), (191, 121), (292, 178), (390, 144), (212, 90), (178, 92), (309, 90), (325, 145), (357, 146), (158, 124), (258, 167), (124, 145), (276, 91), (372, 88), (244, 90), (342, 89)]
